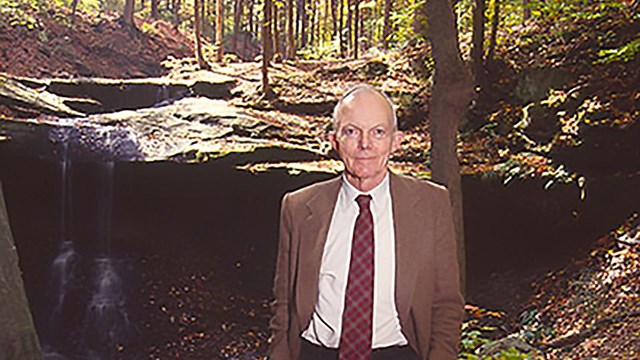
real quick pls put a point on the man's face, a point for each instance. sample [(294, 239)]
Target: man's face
[(365, 137)]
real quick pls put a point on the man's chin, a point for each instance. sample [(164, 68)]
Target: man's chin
[(365, 176)]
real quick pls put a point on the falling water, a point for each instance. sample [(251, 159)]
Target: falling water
[(64, 272), (104, 328), (106, 207), (64, 267), (107, 327)]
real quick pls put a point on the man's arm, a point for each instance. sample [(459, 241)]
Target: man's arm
[(448, 305), (279, 325)]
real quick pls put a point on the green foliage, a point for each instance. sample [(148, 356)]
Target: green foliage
[(473, 339), (624, 53), (19, 13), (111, 5), (470, 340), (325, 50), (148, 28), (402, 23)]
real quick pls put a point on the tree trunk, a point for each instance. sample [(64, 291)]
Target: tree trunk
[(252, 31), (334, 19), (451, 94), (356, 28), (477, 51), (349, 27), (494, 29), (127, 15), (322, 31), (527, 10), (304, 19), (386, 30), (266, 48), (297, 36), (18, 338), (237, 11), (154, 9), (312, 22), (340, 28), (203, 18), (291, 50), (274, 32), (219, 46), (198, 34), (176, 13), (74, 6)]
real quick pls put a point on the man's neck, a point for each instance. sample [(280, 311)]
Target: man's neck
[(365, 184)]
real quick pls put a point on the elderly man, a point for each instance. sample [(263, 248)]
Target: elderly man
[(367, 264)]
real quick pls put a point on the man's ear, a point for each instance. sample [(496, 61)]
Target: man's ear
[(397, 140), (332, 139)]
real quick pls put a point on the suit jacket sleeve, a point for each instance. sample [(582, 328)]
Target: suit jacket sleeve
[(279, 325), (448, 305)]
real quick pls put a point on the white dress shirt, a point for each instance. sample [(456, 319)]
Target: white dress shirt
[(326, 322)]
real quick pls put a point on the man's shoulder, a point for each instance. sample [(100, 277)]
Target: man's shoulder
[(309, 191), (419, 185)]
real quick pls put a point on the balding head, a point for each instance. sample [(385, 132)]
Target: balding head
[(350, 100)]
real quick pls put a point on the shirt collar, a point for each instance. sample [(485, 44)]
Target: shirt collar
[(378, 193)]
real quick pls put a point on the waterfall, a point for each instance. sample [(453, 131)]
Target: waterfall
[(88, 316)]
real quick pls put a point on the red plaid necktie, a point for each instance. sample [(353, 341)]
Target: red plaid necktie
[(357, 318)]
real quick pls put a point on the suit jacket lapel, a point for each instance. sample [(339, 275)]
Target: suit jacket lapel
[(314, 236), (406, 224)]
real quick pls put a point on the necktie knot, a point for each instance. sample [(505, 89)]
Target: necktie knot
[(363, 202)]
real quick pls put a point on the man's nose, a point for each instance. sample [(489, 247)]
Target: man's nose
[(365, 143)]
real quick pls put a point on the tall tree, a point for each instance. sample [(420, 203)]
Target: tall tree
[(176, 13), (494, 29), (527, 9), (219, 46), (275, 33), (304, 17), (326, 22), (356, 28), (74, 6), (341, 30), (197, 24), (154, 9), (334, 18), (298, 24), (450, 98), (477, 41), (386, 27), (348, 26), (266, 48), (252, 31), (291, 43), (127, 14), (312, 21), (237, 20)]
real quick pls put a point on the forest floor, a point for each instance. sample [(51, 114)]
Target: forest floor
[(552, 105)]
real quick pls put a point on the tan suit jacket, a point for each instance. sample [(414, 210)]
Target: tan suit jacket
[(427, 293)]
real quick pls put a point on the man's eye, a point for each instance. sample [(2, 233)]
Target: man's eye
[(379, 132), (349, 131)]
